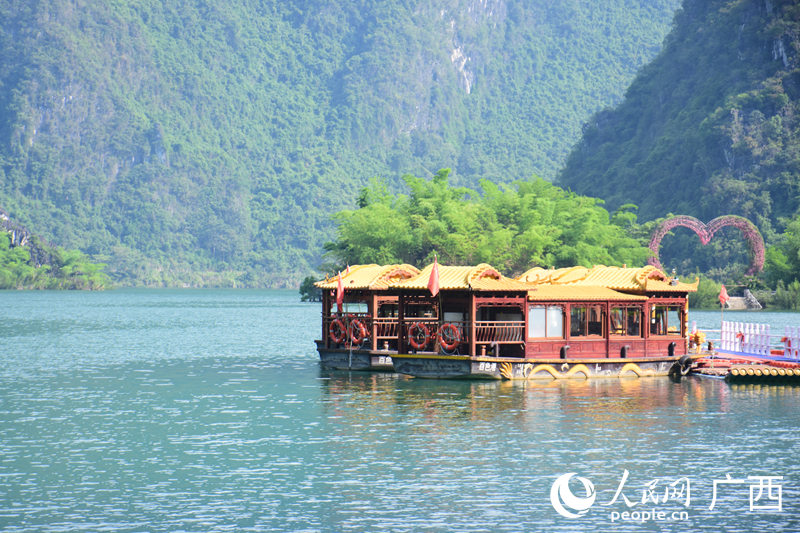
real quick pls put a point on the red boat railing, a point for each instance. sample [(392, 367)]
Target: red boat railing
[(505, 332), (420, 333), (351, 322), (388, 328)]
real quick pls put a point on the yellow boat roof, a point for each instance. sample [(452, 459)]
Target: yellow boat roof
[(644, 279), (541, 283), (550, 293), (370, 277), (477, 278)]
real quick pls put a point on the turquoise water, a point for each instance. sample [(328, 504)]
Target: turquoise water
[(208, 411)]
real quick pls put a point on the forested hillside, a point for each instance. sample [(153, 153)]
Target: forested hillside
[(710, 127), (201, 143)]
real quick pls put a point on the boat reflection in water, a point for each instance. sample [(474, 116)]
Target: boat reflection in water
[(596, 401), (390, 411)]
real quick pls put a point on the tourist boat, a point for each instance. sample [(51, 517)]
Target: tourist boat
[(473, 322)]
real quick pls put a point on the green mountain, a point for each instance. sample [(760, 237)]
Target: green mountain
[(711, 126), (202, 143), (28, 263)]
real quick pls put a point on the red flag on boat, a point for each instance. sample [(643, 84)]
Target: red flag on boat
[(433, 281), (339, 293), (723, 296)]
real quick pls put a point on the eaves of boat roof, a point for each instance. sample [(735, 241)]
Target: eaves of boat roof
[(640, 280), (585, 293), (370, 277), (482, 277)]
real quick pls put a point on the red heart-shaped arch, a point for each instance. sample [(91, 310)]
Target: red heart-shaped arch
[(707, 231)]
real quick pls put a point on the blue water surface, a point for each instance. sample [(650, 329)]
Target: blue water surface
[(161, 410)]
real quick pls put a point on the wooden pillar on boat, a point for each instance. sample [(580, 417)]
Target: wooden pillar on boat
[(567, 323), (326, 313), (685, 322), (607, 326), (401, 318), (473, 315), (647, 310), (525, 318), (374, 324)]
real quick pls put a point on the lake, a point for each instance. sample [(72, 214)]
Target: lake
[(184, 410)]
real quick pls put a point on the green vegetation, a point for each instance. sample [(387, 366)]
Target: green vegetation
[(195, 143), (782, 261), (707, 295), (191, 144), (514, 228), (70, 269), (308, 292), (782, 269), (787, 296), (711, 127)]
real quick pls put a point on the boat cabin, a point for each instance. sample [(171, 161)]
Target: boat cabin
[(572, 313), (619, 312)]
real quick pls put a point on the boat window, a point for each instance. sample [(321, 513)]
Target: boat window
[(545, 322), (388, 310), (626, 321), (420, 311), (500, 314), (537, 321), (586, 321), (351, 307), (454, 316), (555, 322), (577, 321), (666, 320)]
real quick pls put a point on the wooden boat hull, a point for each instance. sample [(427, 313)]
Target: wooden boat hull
[(470, 367), (344, 359)]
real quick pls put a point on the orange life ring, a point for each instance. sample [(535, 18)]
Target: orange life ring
[(358, 331), (449, 336), (418, 335), (337, 331)]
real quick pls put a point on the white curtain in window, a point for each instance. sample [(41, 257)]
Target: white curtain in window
[(555, 322), (536, 321)]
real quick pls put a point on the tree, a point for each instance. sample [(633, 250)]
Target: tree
[(511, 227), (782, 259), (308, 292)]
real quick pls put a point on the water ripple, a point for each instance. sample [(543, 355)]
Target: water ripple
[(207, 411)]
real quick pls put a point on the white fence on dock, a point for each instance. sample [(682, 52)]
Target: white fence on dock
[(744, 337), (791, 342)]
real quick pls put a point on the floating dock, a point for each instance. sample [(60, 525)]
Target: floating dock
[(763, 374), (750, 354), (748, 368), (766, 372)]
